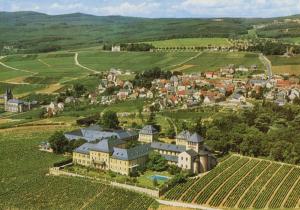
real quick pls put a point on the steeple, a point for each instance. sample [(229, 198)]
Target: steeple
[(7, 96)]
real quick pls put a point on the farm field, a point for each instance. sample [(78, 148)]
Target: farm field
[(241, 182), (38, 72), (281, 65), (55, 67), (213, 61), (190, 42), (132, 61), (295, 40), (24, 184)]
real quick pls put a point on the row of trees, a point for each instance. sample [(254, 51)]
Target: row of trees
[(267, 131), (131, 47), (144, 79)]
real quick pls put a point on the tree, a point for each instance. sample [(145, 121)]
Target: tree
[(152, 121), (58, 142), (154, 182), (110, 120), (156, 162), (79, 90), (174, 169)]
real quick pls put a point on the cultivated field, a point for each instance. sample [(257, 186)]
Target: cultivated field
[(243, 182), (132, 61), (213, 61), (191, 42), (283, 65), (24, 184), (46, 73)]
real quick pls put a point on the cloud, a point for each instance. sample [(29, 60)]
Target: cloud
[(159, 8), (130, 9), (239, 8)]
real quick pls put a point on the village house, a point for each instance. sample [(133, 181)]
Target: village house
[(54, 108), (116, 48)]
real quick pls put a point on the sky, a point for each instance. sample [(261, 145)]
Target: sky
[(159, 8)]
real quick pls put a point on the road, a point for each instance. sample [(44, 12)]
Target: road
[(268, 65), (9, 67), (81, 66), (184, 205)]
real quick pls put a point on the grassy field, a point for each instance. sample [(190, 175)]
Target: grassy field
[(213, 61), (295, 40), (45, 70), (283, 65), (24, 184), (47, 67), (191, 42), (132, 61), (243, 182)]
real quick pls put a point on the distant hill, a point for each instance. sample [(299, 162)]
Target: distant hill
[(37, 32)]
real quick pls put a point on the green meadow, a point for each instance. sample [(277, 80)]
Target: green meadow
[(191, 42), (132, 61), (35, 72), (213, 61)]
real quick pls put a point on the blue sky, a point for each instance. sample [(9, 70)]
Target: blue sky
[(159, 8)]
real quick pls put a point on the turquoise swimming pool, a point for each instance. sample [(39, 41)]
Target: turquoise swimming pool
[(159, 178)]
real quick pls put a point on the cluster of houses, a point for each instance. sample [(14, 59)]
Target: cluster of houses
[(107, 150), (221, 88)]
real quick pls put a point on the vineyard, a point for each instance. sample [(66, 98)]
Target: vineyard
[(24, 184), (243, 182)]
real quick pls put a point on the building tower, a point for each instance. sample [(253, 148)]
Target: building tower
[(7, 96)]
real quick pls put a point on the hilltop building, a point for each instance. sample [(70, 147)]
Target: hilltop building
[(116, 48), (106, 150), (15, 105)]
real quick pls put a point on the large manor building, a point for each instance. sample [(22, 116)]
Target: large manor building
[(106, 150)]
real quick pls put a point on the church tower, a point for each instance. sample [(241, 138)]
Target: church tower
[(7, 96)]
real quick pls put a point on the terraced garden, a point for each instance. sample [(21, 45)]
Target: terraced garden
[(243, 182)]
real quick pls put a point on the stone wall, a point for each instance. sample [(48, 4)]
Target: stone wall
[(153, 193)]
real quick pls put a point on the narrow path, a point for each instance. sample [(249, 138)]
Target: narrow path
[(237, 184), (242, 196), (91, 200), (278, 187), (9, 67), (183, 62), (81, 66), (184, 205), (263, 187), (43, 62)]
